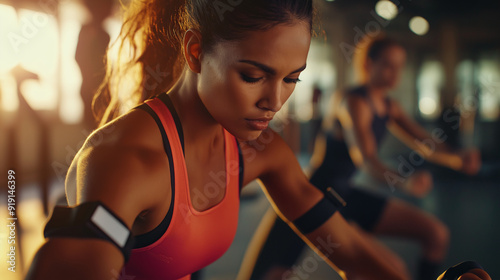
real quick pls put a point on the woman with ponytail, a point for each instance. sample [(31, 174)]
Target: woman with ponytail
[(185, 108)]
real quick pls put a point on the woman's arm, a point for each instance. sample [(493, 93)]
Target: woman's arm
[(79, 259), (431, 146), (292, 195), (124, 177), (356, 117)]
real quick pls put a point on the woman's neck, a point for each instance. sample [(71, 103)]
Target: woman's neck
[(197, 123)]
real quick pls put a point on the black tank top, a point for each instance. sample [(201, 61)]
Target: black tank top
[(337, 167)]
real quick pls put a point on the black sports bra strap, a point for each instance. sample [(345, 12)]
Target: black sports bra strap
[(165, 98), (241, 167), (152, 236), (388, 105)]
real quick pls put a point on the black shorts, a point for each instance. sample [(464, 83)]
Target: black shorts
[(363, 207)]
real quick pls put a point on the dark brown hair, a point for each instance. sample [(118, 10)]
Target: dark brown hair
[(151, 42)]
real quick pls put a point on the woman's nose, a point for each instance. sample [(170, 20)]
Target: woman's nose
[(272, 99)]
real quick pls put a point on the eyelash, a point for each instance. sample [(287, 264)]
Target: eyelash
[(251, 80), (290, 81)]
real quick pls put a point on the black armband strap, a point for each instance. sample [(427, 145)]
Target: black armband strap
[(90, 220), (320, 212), (335, 198), (454, 272)]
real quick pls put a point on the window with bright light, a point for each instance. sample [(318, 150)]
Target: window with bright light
[(33, 45), (488, 79), (466, 96), (320, 72), (42, 45), (429, 84)]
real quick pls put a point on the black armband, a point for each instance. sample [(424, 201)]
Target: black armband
[(454, 272), (90, 220), (335, 198), (320, 212)]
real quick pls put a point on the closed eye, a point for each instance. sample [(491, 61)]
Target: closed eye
[(248, 79), (291, 81)]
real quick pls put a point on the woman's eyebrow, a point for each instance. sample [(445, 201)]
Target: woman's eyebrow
[(300, 69), (263, 67), (268, 69)]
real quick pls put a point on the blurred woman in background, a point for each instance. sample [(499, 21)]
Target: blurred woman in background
[(93, 42)]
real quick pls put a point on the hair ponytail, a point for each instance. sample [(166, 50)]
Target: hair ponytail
[(146, 58)]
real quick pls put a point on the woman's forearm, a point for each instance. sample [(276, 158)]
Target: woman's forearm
[(430, 146), (343, 248)]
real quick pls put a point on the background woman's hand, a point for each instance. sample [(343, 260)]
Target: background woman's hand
[(419, 183), (471, 161)]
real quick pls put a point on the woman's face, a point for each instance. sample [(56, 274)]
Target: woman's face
[(386, 70), (244, 83)]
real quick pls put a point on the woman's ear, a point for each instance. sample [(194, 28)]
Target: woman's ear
[(192, 49)]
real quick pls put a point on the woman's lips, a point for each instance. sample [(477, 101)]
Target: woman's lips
[(258, 124)]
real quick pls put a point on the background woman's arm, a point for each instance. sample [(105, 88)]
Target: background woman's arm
[(431, 146), (356, 117)]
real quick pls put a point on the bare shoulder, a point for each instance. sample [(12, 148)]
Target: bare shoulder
[(122, 164), (357, 104)]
